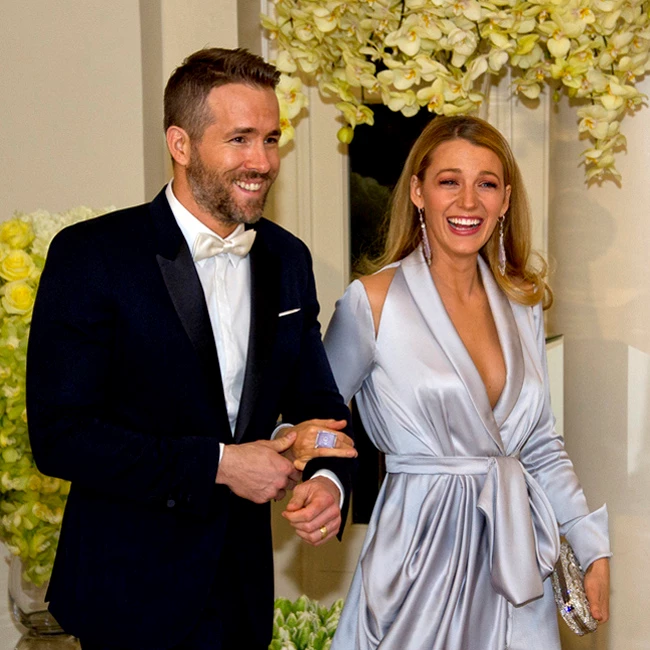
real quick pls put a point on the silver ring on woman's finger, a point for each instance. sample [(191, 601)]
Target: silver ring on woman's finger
[(325, 439)]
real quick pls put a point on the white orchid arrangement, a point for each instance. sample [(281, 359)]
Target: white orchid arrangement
[(31, 504), (304, 624), (411, 54)]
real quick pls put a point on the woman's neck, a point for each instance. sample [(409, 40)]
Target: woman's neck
[(456, 277)]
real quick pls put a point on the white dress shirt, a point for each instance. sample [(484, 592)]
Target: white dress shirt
[(226, 282)]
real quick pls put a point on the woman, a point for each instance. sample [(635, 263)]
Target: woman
[(444, 349)]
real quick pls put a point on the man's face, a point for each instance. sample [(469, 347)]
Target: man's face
[(234, 164)]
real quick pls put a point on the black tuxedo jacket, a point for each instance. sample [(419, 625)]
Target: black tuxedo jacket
[(125, 400)]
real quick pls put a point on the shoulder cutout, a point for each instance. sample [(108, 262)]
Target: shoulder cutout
[(376, 287)]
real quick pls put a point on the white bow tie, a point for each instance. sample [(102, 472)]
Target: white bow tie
[(207, 245)]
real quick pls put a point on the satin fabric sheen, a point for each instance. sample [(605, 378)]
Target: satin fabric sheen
[(465, 529)]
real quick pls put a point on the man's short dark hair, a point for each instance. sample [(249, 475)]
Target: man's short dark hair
[(188, 88)]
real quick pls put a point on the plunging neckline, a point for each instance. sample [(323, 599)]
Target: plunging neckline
[(469, 354), (425, 293)]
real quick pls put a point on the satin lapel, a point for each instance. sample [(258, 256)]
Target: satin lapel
[(184, 287), (265, 302), (508, 332), (426, 296)]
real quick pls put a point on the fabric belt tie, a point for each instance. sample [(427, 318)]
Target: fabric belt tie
[(523, 535)]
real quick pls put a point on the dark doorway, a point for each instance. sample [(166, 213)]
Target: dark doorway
[(377, 156)]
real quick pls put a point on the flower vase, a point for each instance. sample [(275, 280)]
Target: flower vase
[(28, 605)]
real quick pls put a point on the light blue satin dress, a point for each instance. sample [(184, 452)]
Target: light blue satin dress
[(465, 530)]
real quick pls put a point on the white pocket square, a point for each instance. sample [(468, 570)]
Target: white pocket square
[(290, 311)]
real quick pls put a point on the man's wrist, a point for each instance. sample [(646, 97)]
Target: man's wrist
[(328, 474), (276, 431)]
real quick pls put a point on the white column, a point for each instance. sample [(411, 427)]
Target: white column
[(600, 239), (171, 30), (525, 124)]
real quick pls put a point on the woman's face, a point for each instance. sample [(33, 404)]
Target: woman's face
[(463, 194)]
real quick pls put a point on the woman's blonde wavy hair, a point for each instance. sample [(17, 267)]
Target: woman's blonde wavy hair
[(524, 279)]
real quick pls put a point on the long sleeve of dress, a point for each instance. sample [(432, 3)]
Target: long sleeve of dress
[(545, 457), (349, 340)]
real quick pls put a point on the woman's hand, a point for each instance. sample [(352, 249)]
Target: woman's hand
[(304, 448), (597, 589)]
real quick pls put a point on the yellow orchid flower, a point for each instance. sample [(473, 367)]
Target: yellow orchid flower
[(527, 87), (285, 62), (406, 38), (497, 59), (570, 74), (433, 97), (401, 78), (558, 45), (355, 114), (596, 121), (429, 67), (535, 56), (292, 99), (324, 19), (460, 107), (404, 102), (469, 8), (617, 46)]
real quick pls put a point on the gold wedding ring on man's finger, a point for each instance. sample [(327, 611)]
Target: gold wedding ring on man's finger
[(323, 532)]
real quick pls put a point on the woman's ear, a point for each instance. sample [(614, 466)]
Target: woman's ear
[(506, 200), (416, 192)]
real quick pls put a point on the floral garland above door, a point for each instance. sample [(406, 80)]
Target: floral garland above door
[(413, 54)]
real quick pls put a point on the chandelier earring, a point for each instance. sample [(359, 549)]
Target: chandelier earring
[(426, 247), (502, 248)]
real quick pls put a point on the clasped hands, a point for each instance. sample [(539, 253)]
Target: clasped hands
[(265, 469)]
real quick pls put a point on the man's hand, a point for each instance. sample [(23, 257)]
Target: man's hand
[(256, 470), (597, 589), (304, 449), (314, 510)]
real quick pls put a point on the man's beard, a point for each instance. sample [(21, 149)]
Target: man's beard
[(212, 191)]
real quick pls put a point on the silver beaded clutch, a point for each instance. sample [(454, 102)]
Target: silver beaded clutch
[(568, 581)]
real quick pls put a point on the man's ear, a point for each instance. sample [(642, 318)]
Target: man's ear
[(178, 143)]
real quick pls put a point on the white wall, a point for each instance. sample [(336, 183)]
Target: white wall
[(600, 239), (70, 120), (71, 107)]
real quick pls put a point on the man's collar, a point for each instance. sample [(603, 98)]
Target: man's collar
[(191, 227)]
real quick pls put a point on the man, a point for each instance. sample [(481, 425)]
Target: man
[(161, 355)]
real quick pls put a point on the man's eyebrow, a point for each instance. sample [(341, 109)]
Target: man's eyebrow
[(246, 130), (241, 130)]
